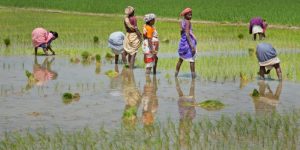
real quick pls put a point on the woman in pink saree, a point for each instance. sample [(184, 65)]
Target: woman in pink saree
[(42, 38)]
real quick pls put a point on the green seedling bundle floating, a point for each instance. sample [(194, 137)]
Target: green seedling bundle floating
[(208, 104), (111, 73), (69, 97), (255, 93)]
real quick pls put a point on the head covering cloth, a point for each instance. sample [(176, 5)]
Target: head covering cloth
[(149, 17), (128, 10), (185, 11)]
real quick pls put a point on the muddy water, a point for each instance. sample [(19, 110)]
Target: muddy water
[(104, 100)]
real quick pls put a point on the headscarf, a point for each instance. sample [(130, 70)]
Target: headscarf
[(128, 10), (149, 17), (185, 11)]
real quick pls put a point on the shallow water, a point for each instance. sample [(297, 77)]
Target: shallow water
[(104, 100)]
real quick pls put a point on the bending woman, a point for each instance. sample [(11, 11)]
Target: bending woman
[(42, 38)]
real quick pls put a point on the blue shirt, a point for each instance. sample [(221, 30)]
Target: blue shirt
[(265, 52)]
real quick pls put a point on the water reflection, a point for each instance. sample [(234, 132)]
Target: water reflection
[(187, 114), (149, 100), (42, 73), (268, 100), (116, 81), (98, 68), (132, 97)]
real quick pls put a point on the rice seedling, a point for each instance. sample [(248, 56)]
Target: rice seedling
[(240, 36), (74, 60), (111, 73), (98, 58), (109, 55), (130, 113), (212, 37), (251, 52), (85, 55), (207, 104), (255, 93), (96, 39), (243, 131), (7, 42), (69, 97)]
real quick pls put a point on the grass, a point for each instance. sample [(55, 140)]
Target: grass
[(244, 131), (230, 68), (275, 11), (76, 33)]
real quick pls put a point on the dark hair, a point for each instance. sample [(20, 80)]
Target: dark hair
[(54, 33), (148, 23), (131, 14)]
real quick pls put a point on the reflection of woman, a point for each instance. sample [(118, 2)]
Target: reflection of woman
[(267, 101), (116, 81), (187, 114), (42, 73), (149, 100), (131, 95)]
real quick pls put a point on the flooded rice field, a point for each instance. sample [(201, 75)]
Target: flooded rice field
[(104, 101)]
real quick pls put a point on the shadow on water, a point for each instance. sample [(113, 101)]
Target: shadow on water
[(42, 73), (267, 101)]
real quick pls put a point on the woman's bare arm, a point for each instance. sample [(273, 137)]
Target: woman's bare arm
[(188, 36)]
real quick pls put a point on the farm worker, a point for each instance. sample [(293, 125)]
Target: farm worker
[(42, 38), (133, 36), (265, 25), (267, 58), (150, 44), (257, 26), (115, 42), (187, 45)]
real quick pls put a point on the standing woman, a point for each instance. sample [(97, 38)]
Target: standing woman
[(188, 43), (133, 36), (42, 38), (150, 43)]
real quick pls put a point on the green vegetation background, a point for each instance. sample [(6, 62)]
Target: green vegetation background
[(274, 11)]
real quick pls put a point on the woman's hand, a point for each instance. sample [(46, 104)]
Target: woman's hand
[(193, 50)]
